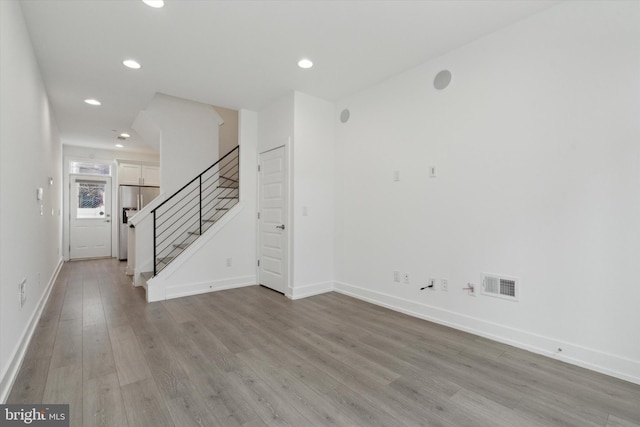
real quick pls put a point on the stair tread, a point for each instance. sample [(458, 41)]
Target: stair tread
[(193, 233), (147, 275), (181, 245), (228, 197)]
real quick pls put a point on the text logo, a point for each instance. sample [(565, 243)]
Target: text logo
[(34, 415)]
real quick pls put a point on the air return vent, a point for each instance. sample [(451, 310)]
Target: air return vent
[(500, 286)]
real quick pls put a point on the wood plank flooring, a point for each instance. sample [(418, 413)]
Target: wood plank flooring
[(251, 357)]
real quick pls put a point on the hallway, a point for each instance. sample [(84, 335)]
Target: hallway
[(250, 357)]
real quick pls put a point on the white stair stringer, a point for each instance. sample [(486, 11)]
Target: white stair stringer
[(175, 280)]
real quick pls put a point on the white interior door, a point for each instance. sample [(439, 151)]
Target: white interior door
[(272, 223), (90, 217)]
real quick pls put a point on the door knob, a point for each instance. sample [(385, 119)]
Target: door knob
[(281, 227), (107, 220)]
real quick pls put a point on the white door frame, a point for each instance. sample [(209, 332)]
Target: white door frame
[(289, 218), (108, 217), (65, 196)]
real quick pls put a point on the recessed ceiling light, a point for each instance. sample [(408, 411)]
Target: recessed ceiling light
[(119, 145), (154, 3), (125, 135), (131, 64), (91, 101), (305, 63)]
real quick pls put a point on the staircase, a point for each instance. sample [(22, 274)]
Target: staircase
[(187, 214)]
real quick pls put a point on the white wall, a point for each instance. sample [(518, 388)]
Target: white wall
[(72, 152), (93, 154), (275, 124), (304, 125), (203, 266), (30, 153), (189, 138), (313, 195), (536, 147), (275, 129)]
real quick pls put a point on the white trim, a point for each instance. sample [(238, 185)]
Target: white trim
[(113, 214), (312, 289), (209, 286), (66, 209), (609, 364), (16, 359), (154, 293), (118, 162), (290, 168)]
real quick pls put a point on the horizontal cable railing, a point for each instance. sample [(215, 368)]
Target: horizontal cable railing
[(192, 210)]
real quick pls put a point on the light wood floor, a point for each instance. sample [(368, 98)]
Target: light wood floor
[(251, 357)]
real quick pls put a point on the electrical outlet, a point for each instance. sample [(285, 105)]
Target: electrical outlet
[(229, 262), (22, 292), (406, 278), (444, 284), (396, 276)]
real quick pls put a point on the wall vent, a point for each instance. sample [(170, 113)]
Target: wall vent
[(500, 286)]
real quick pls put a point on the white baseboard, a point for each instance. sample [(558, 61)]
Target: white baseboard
[(609, 364), (154, 292), (15, 362), (210, 286), (311, 290)]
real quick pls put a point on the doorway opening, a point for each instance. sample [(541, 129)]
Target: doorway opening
[(89, 217), (273, 227)]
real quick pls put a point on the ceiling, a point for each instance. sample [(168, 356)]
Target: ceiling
[(236, 54)]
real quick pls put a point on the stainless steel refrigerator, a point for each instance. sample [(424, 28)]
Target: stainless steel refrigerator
[(131, 199)]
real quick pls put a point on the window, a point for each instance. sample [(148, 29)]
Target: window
[(90, 199), (87, 168)]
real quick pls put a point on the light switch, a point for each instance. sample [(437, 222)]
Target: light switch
[(305, 211), (396, 176)]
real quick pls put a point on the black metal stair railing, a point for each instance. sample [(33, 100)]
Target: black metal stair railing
[(193, 209)]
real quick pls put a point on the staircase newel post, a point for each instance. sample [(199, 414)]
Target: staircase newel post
[(155, 259), (200, 204)]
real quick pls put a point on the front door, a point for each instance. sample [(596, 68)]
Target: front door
[(272, 225), (90, 222)]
